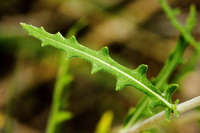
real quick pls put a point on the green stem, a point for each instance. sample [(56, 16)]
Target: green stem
[(62, 80), (172, 62), (182, 108), (188, 67), (171, 15)]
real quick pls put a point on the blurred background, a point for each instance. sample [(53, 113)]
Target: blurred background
[(136, 32)]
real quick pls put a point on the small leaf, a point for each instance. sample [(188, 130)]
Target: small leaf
[(170, 90)]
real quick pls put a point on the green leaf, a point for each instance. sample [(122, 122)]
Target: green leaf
[(100, 60)]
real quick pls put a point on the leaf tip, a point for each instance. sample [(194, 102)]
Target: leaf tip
[(95, 68), (74, 40), (60, 35), (142, 69), (118, 88), (43, 44), (104, 51), (24, 25), (120, 84)]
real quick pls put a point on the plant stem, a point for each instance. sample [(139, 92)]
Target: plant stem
[(171, 15), (183, 107), (62, 80), (188, 67)]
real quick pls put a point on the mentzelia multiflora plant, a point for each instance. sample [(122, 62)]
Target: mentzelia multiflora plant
[(158, 92)]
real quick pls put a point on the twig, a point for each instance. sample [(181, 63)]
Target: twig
[(183, 107)]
